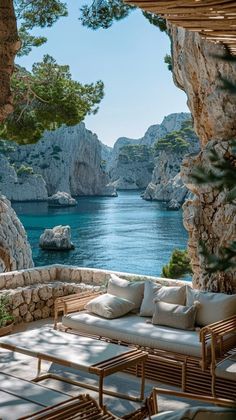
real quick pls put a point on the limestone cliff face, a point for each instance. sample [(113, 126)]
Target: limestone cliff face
[(15, 252), (23, 186), (129, 170), (133, 169), (69, 160), (207, 216), (166, 183)]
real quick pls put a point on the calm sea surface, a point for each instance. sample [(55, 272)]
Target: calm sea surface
[(123, 234)]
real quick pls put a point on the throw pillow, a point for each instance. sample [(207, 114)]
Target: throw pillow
[(109, 306), (130, 290), (147, 305), (214, 306), (175, 316), (172, 294)]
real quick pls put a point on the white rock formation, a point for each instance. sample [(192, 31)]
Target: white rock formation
[(61, 199), (15, 251), (69, 159), (23, 186), (58, 239), (134, 173)]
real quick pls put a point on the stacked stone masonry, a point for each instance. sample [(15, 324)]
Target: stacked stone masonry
[(32, 292)]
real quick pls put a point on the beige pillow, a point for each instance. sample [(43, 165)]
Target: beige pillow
[(172, 294), (175, 316), (147, 305), (130, 290), (109, 306), (214, 306)]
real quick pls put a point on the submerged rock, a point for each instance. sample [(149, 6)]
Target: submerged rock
[(57, 238), (173, 205), (61, 199)]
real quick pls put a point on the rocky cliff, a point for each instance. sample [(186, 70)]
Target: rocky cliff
[(133, 168), (207, 217), (15, 252), (132, 160), (21, 184), (68, 159), (166, 183)]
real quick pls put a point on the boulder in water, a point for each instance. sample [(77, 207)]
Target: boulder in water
[(61, 199), (173, 205), (57, 239)]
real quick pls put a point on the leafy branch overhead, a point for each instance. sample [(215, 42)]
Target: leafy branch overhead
[(103, 13), (45, 99)]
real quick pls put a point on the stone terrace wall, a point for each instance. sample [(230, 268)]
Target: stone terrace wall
[(32, 292)]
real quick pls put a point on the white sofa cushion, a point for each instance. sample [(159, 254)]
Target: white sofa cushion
[(130, 290), (214, 306), (134, 329), (175, 316), (168, 294), (227, 368), (109, 306), (198, 413), (147, 306), (172, 294)]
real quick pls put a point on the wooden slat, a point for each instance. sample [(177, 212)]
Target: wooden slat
[(198, 16)]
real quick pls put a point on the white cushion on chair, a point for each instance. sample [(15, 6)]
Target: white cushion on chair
[(109, 306), (130, 290), (198, 413), (214, 306), (134, 329), (227, 368)]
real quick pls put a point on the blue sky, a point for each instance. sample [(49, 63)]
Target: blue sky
[(128, 58)]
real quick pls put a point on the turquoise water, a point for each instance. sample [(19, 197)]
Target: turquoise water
[(123, 234)]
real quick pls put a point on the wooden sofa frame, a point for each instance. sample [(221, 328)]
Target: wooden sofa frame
[(192, 374)]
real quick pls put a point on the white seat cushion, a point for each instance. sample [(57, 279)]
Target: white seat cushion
[(198, 413), (134, 329), (227, 368), (214, 306)]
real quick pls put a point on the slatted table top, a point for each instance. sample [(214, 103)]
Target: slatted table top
[(67, 349)]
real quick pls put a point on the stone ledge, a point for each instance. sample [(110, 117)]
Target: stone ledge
[(32, 292)]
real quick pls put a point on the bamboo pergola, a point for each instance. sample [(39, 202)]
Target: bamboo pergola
[(214, 20)]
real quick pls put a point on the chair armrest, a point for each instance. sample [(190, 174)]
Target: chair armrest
[(72, 303), (214, 334), (205, 399)]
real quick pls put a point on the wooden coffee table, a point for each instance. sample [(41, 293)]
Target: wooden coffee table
[(80, 353)]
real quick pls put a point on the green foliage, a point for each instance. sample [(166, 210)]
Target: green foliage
[(168, 61), (177, 141), (221, 173), (5, 316), (156, 20), (40, 13), (47, 98), (178, 266), (103, 13), (29, 41), (224, 261), (134, 153), (24, 170)]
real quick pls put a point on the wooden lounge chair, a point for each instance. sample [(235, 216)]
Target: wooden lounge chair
[(82, 407), (223, 368), (206, 406)]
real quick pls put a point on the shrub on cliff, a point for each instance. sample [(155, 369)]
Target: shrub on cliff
[(178, 266)]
